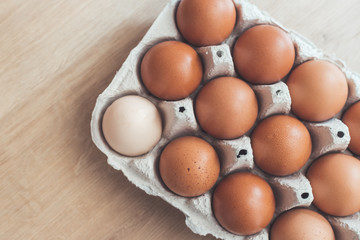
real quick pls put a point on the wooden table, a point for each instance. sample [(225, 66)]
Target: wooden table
[(55, 58)]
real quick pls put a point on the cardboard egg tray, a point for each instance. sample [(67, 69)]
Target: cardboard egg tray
[(235, 155)]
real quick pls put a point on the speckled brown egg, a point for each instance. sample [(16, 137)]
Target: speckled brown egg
[(318, 90), (171, 70), (335, 181), (264, 54), (301, 224), (189, 166), (352, 119), (206, 22), (281, 145), (226, 108), (243, 203)]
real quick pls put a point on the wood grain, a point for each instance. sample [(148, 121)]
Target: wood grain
[(55, 58)]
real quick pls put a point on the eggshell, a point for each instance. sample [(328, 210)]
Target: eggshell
[(301, 224), (226, 108), (335, 180), (243, 203), (171, 70), (189, 166), (132, 125), (281, 145), (318, 90), (352, 119), (206, 22), (264, 54)]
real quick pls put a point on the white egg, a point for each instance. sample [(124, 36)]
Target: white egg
[(132, 125)]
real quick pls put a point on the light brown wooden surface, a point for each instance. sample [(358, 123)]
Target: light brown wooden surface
[(55, 58)]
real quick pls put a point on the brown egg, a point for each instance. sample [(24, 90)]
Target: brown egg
[(352, 119), (335, 180), (171, 70), (281, 145), (189, 166), (318, 90), (301, 224), (206, 22), (243, 203), (264, 54), (226, 108)]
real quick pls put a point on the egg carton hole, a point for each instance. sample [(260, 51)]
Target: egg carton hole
[(340, 134), (182, 109), (242, 152), (305, 195)]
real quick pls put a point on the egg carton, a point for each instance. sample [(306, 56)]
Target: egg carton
[(235, 155)]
